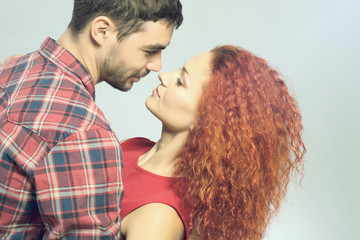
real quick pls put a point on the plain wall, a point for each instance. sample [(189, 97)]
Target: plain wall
[(314, 43)]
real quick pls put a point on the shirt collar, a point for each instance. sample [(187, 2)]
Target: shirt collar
[(65, 60)]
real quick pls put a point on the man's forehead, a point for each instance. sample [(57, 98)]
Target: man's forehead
[(154, 36)]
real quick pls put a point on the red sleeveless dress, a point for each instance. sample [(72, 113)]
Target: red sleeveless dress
[(143, 187)]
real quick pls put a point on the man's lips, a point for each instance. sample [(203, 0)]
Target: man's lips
[(136, 79)]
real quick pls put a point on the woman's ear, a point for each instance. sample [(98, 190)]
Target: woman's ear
[(192, 125), (101, 29)]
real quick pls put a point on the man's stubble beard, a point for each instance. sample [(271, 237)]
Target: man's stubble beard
[(115, 76)]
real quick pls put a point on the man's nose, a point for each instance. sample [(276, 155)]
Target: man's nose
[(154, 64)]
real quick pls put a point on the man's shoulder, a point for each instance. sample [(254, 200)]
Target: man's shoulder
[(59, 113), (54, 104), (42, 95), (15, 68)]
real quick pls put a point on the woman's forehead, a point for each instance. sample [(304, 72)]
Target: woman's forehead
[(198, 67)]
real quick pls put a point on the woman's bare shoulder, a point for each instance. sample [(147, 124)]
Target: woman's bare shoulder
[(153, 221)]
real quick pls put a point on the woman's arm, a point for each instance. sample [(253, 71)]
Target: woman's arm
[(154, 221), (11, 58), (123, 140)]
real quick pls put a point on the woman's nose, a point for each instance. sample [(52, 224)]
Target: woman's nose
[(163, 77)]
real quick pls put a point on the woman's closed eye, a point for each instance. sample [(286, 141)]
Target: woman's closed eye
[(179, 82)]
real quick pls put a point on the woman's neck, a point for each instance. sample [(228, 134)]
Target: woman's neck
[(161, 158)]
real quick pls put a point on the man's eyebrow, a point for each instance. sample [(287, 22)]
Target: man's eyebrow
[(155, 47)]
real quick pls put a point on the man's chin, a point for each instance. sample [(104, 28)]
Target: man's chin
[(124, 87)]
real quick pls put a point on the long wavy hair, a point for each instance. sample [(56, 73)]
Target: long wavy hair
[(245, 143)]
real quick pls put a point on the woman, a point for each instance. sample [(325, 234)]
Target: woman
[(231, 137)]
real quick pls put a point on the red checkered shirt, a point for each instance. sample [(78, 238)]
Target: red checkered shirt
[(60, 162)]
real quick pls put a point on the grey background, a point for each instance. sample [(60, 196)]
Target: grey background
[(315, 44)]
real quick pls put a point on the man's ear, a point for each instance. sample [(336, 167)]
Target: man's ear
[(101, 29)]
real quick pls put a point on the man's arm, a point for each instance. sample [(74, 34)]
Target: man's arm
[(79, 186)]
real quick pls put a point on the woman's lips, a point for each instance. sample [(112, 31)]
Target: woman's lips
[(155, 93)]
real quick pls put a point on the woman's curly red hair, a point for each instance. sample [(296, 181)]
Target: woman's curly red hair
[(242, 149)]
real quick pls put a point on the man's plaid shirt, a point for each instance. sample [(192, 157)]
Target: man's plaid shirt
[(60, 162)]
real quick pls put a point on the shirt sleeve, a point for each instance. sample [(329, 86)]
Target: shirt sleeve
[(79, 186)]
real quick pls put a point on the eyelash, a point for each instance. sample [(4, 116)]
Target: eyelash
[(178, 82), (149, 53)]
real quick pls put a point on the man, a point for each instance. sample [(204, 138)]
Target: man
[(60, 162)]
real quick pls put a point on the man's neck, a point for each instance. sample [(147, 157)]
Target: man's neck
[(82, 49)]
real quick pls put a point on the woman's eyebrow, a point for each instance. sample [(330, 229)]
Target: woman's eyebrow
[(184, 70)]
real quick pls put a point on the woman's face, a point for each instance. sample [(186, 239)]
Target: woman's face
[(175, 100)]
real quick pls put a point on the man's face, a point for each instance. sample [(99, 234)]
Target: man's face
[(135, 56)]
